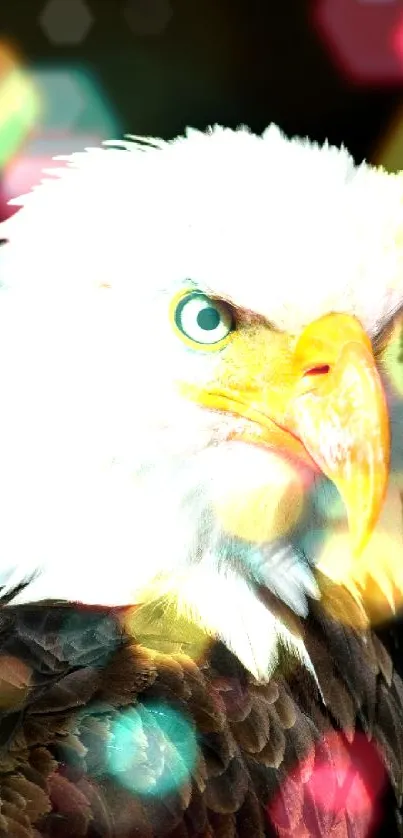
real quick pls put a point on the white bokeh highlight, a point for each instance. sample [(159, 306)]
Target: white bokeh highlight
[(66, 21)]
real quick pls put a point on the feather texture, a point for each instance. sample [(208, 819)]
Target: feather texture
[(259, 747)]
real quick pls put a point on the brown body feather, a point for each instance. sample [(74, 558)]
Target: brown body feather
[(67, 674)]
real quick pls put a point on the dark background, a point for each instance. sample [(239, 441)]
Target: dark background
[(325, 68)]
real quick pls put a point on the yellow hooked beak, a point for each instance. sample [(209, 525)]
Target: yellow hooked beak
[(318, 398), (342, 419)]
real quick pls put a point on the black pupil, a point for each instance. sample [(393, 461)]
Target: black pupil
[(208, 318)]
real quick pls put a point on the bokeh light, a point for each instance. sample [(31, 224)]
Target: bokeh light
[(152, 750), (388, 151), (392, 361), (159, 627), (20, 103), (363, 38), (26, 170), (376, 575), (75, 113), (73, 100), (259, 510), (339, 778), (397, 38), (324, 511), (147, 17), (62, 97), (66, 21)]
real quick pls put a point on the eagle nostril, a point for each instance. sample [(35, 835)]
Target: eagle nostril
[(321, 369)]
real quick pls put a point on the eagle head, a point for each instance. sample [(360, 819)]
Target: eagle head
[(190, 380)]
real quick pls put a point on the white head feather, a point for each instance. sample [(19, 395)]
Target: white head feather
[(104, 469)]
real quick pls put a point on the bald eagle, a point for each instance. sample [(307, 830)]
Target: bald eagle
[(201, 524)]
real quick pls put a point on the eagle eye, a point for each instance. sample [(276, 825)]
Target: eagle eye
[(200, 321)]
